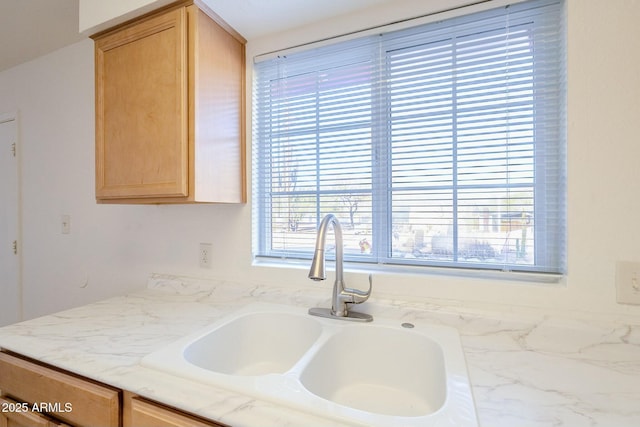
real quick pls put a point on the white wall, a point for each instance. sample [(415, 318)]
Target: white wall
[(112, 249), (98, 15)]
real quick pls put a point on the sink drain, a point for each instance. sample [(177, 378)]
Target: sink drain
[(408, 325)]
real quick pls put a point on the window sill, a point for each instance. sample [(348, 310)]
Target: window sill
[(534, 279)]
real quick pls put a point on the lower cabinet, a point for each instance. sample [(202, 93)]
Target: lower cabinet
[(60, 395), (37, 395)]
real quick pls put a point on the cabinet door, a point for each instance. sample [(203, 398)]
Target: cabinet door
[(142, 109), (13, 415), (149, 414)]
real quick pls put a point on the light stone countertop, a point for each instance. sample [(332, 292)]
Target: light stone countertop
[(526, 370)]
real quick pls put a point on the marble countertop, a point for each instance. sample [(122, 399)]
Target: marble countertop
[(525, 370)]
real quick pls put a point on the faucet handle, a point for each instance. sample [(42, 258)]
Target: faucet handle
[(357, 296)]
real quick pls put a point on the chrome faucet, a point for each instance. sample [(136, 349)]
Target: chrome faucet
[(342, 296)]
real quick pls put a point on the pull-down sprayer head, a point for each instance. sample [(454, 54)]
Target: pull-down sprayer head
[(317, 272)]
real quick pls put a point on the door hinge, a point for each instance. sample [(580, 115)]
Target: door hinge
[(15, 247), (13, 149)]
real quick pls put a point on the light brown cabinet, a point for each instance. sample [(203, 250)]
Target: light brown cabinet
[(59, 397), (170, 109), (140, 412)]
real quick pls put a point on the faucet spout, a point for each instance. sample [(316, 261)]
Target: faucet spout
[(341, 294)]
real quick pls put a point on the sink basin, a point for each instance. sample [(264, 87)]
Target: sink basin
[(375, 374), (367, 365), (254, 344)]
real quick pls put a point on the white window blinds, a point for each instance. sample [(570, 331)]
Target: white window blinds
[(440, 145)]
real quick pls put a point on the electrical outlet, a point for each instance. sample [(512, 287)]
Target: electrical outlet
[(628, 282), (204, 257)]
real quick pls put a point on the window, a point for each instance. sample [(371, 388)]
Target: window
[(440, 145)]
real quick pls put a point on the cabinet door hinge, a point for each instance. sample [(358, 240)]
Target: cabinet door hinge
[(13, 149), (15, 247)]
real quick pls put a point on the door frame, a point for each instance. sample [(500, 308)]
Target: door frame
[(5, 118)]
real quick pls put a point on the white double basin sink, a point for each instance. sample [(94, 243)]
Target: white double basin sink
[(383, 373)]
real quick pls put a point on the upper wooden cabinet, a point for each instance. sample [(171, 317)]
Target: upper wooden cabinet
[(170, 109)]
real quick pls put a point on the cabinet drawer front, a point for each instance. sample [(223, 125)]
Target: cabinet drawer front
[(10, 416), (149, 414), (69, 398)]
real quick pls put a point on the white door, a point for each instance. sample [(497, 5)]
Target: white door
[(10, 305)]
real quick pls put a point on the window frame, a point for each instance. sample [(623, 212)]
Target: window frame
[(382, 224)]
